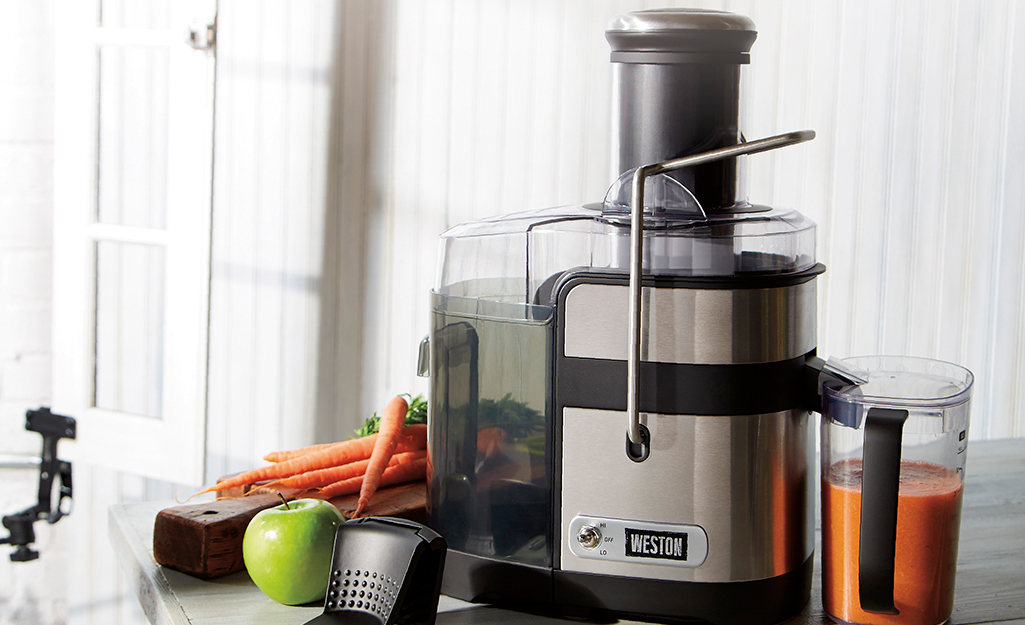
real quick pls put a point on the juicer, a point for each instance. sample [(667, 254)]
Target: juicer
[(621, 392)]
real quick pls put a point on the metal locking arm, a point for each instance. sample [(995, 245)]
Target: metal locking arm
[(641, 174)]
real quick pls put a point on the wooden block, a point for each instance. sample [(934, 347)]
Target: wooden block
[(205, 540), (404, 501)]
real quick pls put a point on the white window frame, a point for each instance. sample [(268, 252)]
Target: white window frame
[(171, 447)]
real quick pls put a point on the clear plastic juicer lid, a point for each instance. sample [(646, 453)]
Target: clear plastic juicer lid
[(508, 258)]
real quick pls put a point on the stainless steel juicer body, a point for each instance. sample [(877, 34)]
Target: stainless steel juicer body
[(715, 522), (621, 393), (731, 459)]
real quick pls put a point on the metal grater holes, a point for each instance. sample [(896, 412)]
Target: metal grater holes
[(353, 589)]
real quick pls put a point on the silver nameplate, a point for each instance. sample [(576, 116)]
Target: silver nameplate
[(644, 542)]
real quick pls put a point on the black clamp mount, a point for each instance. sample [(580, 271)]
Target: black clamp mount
[(53, 427)]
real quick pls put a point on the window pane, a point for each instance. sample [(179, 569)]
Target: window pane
[(135, 14), (132, 159), (129, 350)]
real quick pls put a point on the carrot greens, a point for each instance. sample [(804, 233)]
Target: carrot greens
[(416, 413)]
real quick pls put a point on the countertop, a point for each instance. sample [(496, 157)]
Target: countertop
[(990, 570)]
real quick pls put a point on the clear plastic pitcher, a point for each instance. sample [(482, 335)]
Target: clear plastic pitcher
[(893, 459)]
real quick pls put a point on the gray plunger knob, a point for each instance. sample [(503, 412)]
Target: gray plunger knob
[(677, 93)]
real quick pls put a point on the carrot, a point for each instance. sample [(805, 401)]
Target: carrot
[(330, 475), (280, 456), (490, 441), (393, 417), (398, 474), (410, 438), (359, 449)]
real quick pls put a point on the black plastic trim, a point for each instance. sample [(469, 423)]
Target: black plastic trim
[(753, 280), (484, 580), (524, 588), (713, 390), (755, 602)]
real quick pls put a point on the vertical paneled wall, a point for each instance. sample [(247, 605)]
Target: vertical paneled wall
[(914, 180), (350, 134), (302, 115), (273, 260), (495, 109)]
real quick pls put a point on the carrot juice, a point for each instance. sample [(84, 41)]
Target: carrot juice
[(928, 520)]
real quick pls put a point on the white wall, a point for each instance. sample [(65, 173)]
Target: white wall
[(26, 206), (915, 178), (350, 134)]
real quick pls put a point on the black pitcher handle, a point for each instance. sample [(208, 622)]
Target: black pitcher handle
[(880, 483)]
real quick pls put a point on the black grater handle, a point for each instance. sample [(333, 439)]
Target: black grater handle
[(384, 571)]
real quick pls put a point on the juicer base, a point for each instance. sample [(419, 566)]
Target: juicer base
[(525, 588)]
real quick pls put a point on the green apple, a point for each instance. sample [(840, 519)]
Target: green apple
[(287, 550)]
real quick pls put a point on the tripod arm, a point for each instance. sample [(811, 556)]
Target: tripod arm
[(52, 427)]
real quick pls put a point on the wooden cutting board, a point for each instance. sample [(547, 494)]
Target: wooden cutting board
[(205, 540)]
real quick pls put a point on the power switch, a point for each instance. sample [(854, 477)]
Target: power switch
[(589, 537)]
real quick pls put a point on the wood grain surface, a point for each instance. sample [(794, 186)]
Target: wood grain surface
[(205, 539)]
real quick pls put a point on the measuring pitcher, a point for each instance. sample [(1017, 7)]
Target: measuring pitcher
[(893, 460)]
